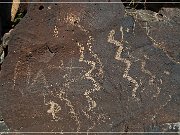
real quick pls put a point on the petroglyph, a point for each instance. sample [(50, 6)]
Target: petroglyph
[(160, 46), (28, 75), (74, 20), (55, 31), (151, 17), (167, 101), (69, 79), (100, 73), (54, 109), (40, 77), (62, 67), (120, 44), (88, 75), (63, 97), (15, 74), (152, 80), (31, 82)]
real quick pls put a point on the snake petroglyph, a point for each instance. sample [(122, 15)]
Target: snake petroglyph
[(118, 57), (88, 75)]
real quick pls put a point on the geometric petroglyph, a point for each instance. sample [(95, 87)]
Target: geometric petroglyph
[(120, 45), (88, 75)]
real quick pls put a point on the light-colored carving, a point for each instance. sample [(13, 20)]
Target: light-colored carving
[(63, 97), (74, 20), (40, 77), (69, 78), (15, 74), (152, 80), (142, 15), (88, 75), (54, 109), (55, 32), (94, 55), (120, 44)]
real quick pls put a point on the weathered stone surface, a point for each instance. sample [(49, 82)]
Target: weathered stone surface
[(88, 67)]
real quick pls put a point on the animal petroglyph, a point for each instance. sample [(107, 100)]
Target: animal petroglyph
[(120, 44), (88, 75), (54, 109), (152, 80)]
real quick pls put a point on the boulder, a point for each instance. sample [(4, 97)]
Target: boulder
[(88, 68)]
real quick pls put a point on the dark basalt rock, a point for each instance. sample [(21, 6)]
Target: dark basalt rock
[(88, 67)]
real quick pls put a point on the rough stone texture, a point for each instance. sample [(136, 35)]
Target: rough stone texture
[(90, 67)]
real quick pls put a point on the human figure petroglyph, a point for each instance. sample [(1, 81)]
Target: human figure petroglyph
[(54, 109)]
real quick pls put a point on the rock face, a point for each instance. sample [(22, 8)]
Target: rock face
[(90, 67)]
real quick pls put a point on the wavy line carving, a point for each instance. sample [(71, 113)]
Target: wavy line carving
[(118, 57)]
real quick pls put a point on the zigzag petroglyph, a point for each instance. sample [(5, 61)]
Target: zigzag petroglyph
[(119, 44), (100, 73), (88, 75)]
